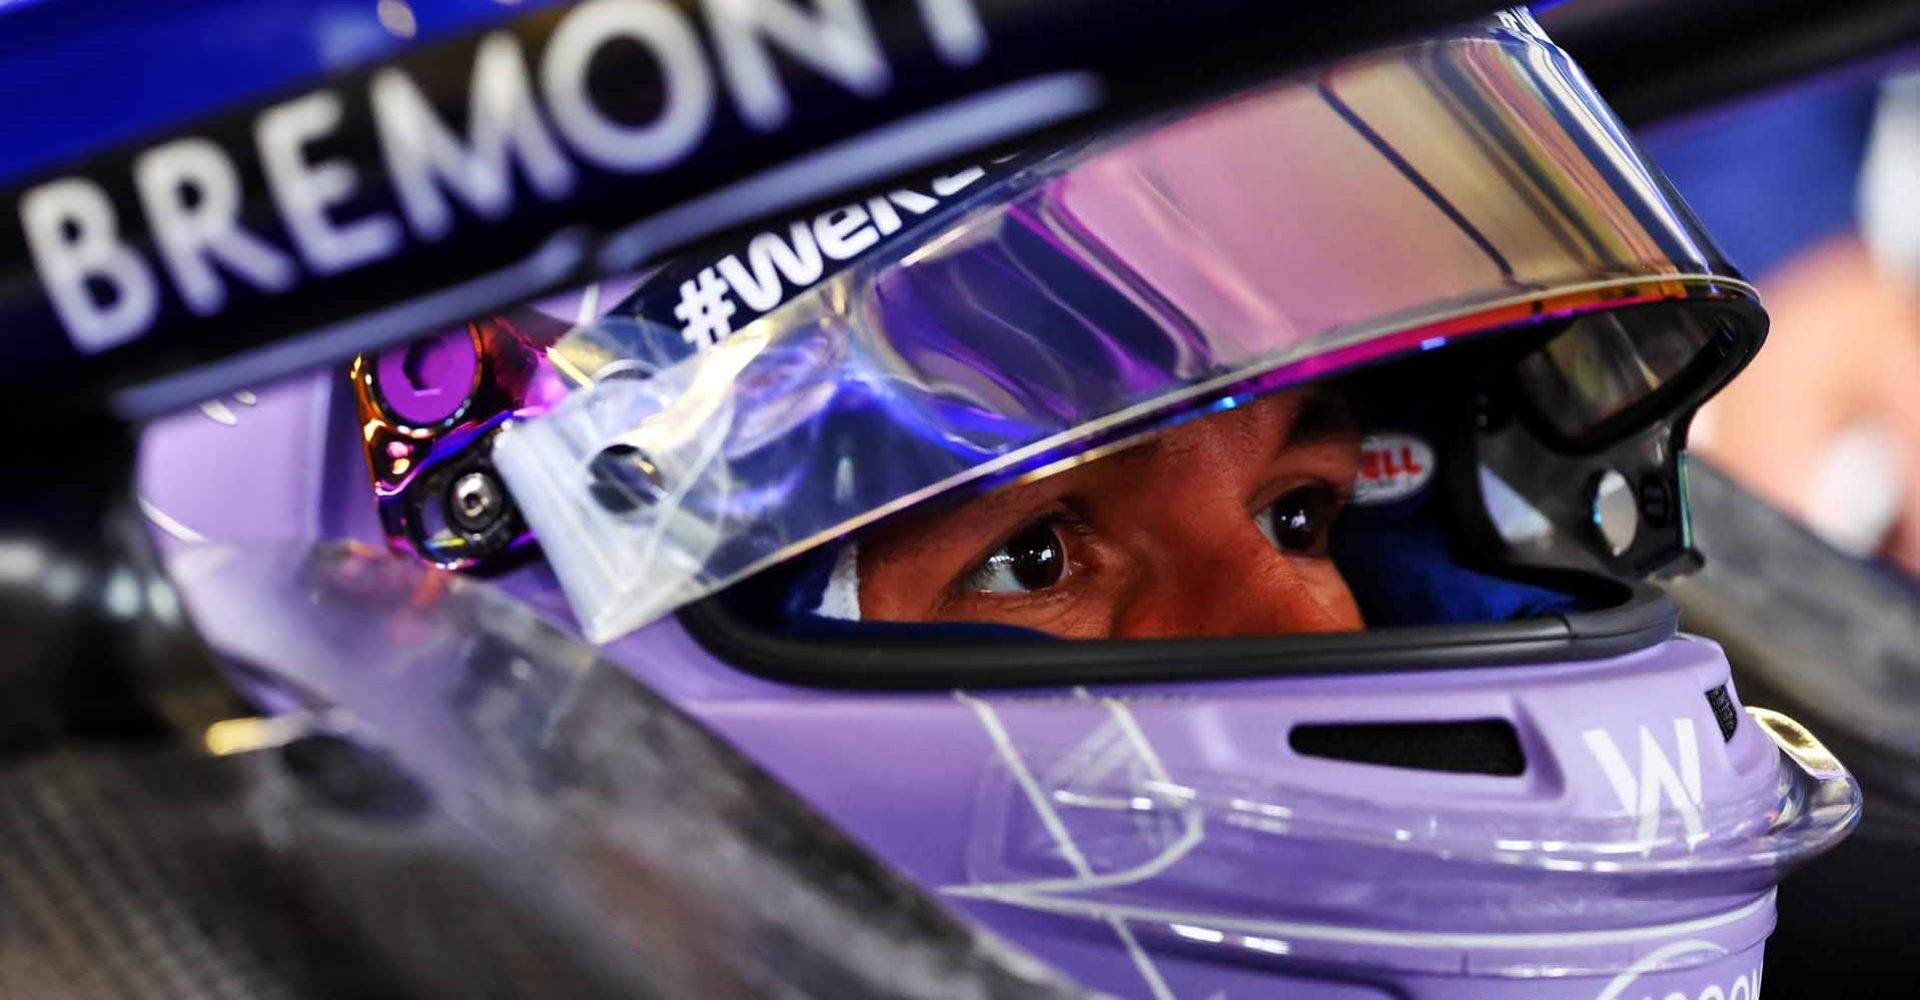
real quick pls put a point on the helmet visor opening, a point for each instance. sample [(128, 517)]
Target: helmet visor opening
[(1618, 618)]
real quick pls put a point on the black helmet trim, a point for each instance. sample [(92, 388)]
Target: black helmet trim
[(1640, 616)]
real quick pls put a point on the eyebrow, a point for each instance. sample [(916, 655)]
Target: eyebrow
[(1323, 414)]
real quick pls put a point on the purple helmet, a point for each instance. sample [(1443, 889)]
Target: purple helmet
[(1211, 556)]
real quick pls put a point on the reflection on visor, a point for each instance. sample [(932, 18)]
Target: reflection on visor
[(1607, 363), (1388, 206)]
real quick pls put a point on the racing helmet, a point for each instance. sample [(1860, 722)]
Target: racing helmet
[(1491, 766)]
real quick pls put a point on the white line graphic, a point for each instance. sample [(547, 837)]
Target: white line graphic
[(219, 413), (1003, 744), (166, 523), (1136, 739), (1403, 939)]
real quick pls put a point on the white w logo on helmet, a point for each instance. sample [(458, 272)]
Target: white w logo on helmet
[(1657, 778)]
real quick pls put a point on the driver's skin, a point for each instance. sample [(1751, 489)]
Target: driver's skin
[(1217, 527)]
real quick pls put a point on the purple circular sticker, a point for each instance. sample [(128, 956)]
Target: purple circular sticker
[(428, 381)]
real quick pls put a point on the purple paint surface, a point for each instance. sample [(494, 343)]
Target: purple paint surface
[(428, 381)]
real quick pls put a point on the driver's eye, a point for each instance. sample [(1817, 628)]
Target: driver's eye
[(1298, 522), (1033, 559)]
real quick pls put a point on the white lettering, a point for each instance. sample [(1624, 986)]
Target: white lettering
[(883, 216), (686, 84), (957, 33), (1621, 986), (1657, 779), (192, 237), (913, 201), (761, 290), (502, 122), (841, 234), (952, 184), (305, 189), (836, 40), (73, 235), (844, 232)]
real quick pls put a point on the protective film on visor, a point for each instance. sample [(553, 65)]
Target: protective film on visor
[(1379, 208)]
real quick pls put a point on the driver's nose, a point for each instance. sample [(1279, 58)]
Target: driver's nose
[(1228, 583), (1203, 567)]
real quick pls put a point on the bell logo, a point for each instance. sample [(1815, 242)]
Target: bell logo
[(1393, 467), (1656, 780)]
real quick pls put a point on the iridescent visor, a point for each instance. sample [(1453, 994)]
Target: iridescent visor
[(1385, 206)]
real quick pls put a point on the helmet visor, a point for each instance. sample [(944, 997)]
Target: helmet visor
[(1387, 205)]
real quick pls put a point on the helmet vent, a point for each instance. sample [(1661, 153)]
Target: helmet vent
[(1479, 746), (1723, 711)]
